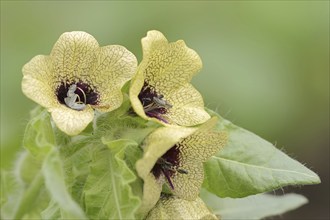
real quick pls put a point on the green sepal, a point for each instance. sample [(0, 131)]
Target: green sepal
[(123, 123)]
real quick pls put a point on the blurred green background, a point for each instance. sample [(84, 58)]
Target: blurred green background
[(266, 66)]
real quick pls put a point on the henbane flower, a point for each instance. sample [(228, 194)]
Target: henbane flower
[(77, 77), (161, 88), (171, 207), (175, 156)]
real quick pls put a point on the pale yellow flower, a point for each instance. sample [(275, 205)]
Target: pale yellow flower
[(171, 207), (175, 156), (161, 89), (77, 77)]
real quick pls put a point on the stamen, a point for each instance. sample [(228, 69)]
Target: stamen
[(82, 91), (168, 178), (168, 164), (154, 104), (76, 95), (71, 99), (182, 171)]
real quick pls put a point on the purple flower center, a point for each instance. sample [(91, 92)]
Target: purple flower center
[(168, 164), (76, 95), (154, 104)]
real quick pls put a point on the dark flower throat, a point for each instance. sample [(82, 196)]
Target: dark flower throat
[(168, 164), (86, 95), (154, 104)]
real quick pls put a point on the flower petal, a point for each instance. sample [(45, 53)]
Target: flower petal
[(167, 66), (203, 143), (171, 207), (73, 55), (152, 41), (135, 88), (194, 150), (115, 66), (187, 186), (188, 106), (37, 81), (152, 189), (195, 146), (154, 149), (70, 121), (157, 143)]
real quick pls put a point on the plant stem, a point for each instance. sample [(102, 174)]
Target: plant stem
[(29, 196)]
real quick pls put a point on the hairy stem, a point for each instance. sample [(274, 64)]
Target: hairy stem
[(29, 196)]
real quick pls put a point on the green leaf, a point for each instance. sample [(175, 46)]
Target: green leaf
[(252, 207), (39, 136), (132, 154), (77, 157), (123, 123), (54, 179), (11, 192), (51, 212), (23, 195), (26, 195), (249, 165), (108, 194)]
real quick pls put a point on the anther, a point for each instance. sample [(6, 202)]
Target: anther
[(71, 99)]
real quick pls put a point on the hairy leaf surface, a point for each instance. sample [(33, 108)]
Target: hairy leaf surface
[(108, 194), (250, 165), (55, 184), (252, 207)]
